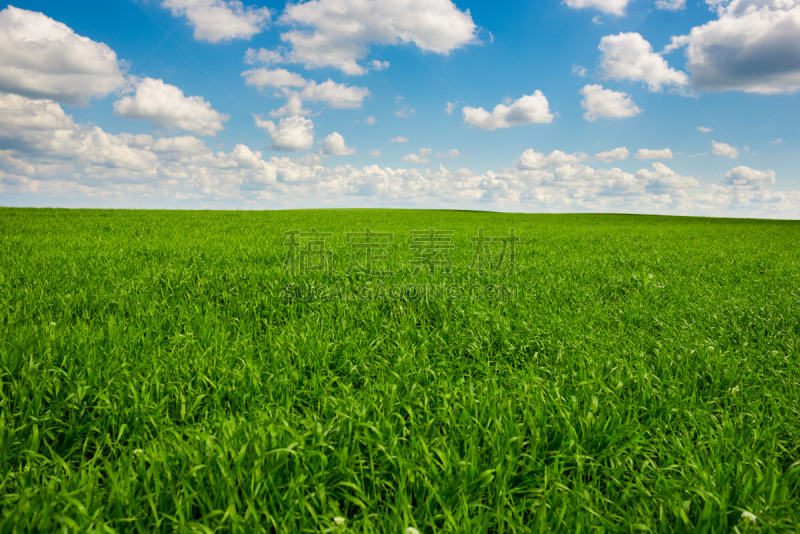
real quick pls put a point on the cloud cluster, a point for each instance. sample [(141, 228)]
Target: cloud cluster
[(608, 104), (290, 134), (42, 58), (220, 20), (421, 157), (167, 107), (647, 153), (753, 46), (725, 150), (628, 56), (334, 145), (618, 154), (529, 109), (531, 160), (339, 33), (297, 89), (41, 149)]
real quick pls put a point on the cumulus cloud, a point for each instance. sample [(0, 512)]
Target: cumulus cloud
[(167, 107), (450, 107), (646, 153), (611, 7), (537, 161), (398, 140), (724, 150), (41, 128), (746, 177), (290, 134), (422, 157), (339, 33), (618, 154), (334, 145), (370, 120), (42, 58), (293, 106), (528, 109), (628, 56), (277, 78), (339, 96), (662, 179), (126, 168), (375, 153), (608, 104), (220, 20), (262, 56), (753, 46), (704, 129)]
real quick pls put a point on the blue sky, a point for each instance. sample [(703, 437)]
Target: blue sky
[(573, 106)]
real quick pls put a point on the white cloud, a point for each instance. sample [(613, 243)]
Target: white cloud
[(399, 140), (450, 154), (662, 179), (753, 46), (167, 107), (671, 5), (577, 70), (618, 154), (290, 134), (262, 56), (611, 7), (293, 106), (605, 103), (646, 153), (704, 129), (370, 120), (334, 145), (41, 130), (220, 20), (528, 109), (450, 107), (725, 150), (339, 96), (339, 33), (746, 177), (378, 65), (137, 170), (278, 78), (628, 56), (537, 161), (776, 141), (178, 145), (375, 153), (422, 157), (42, 58)]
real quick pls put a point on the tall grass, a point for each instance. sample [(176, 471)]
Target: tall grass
[(154, 378)]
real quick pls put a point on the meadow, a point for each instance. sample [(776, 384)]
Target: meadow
[(156, 375)]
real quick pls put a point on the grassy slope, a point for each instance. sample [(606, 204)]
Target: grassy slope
[(604, 398)]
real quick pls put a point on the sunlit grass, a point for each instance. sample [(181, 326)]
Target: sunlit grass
[(153, 378)]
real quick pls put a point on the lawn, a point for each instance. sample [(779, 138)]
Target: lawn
[(189, 372)]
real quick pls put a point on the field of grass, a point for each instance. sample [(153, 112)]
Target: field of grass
[(156, 375)]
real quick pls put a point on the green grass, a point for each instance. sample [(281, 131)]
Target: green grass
[(153, 378)]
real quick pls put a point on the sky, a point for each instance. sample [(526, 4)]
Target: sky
[(680, 107)]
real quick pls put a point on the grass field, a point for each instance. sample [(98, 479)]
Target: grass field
[(156, 375)]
